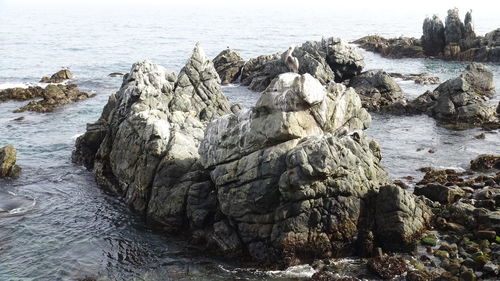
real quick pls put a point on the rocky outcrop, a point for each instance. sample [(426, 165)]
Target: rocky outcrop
[(228, 65), (433, 40), (455, 41), (377, 89), (58, 77), (289, 180), (402, 47), (50, 97), (8, 167), (419, 78), (462, 100), (327, 60), (485, 162)]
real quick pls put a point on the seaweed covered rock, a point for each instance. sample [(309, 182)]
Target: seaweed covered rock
[(228, 65), (377, 89), (8, 167), (327, 60)]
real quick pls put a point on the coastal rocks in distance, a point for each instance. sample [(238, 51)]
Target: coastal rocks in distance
[(58, 77), (462, 100), (54, 96), (397, 48), (420, 78), (8, 167), (327, 60), (377, 89), (228, 65), (454, 41)]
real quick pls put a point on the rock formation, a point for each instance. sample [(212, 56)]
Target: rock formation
[(291, 179), (8, 167), (454, 41), (50, 97), (228, 65), (377, 89), (58, 77), (433, 36), (327, 60), (462, 100)]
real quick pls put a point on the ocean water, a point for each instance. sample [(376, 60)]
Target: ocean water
[(66, 227)]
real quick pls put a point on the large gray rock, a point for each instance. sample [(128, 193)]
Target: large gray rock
[(377, 89), (462, 100), (327, 60), (8, 167), (228, 65), (433, 40), (152, 124)]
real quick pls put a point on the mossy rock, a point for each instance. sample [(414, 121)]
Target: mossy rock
[(429, 241)]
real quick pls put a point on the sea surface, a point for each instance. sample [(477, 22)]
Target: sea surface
[(63, 227)]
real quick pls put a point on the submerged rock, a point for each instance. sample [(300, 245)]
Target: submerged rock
[(58, 77), (8, 167), (327, 60), (228, 65), (377, 89)]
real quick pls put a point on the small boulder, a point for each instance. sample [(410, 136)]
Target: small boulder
[(438, 192), (388, 267), (228, 65), (485, 162), (8, 167), (58, 77)]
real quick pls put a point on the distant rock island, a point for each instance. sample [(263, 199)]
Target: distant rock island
[(454, 40)]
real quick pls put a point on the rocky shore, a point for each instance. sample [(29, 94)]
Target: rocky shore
[(295, 179), (454, 40)]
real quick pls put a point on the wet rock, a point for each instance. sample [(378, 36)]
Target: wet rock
[(21, 94), (442, 194), (54, 96), (115, 74), (400, 217), (433, 38), (388, 267), (326, 60), (486, 234), (228, 65), (8, 167), (481, 136), (459, 101), (377, 89), (419, 78), (485, 162), (468, 276), (58, 77), (421, 275)]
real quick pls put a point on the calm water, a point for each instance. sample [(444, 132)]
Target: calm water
[(74, 229)]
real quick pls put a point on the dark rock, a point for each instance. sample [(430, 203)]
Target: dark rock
[(377, 89), (480, 78), (8, 167), (228, 65), (485, 162), (455, 29), (58, 77), (401, 47), (433, 38), (486, 234), (115, 74), (481, 136), (388, 267), (21, 94), (400, 217), (440, 193), (421, 275), (420, 78)]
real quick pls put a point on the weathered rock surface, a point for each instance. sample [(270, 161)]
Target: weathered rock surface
[(455, 41), (228, 65), (289, 180), (433, 40), (58, 77), (485, 162), (377, 89), (8, 167), (327, 60), (21, 94), (462, 100)]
